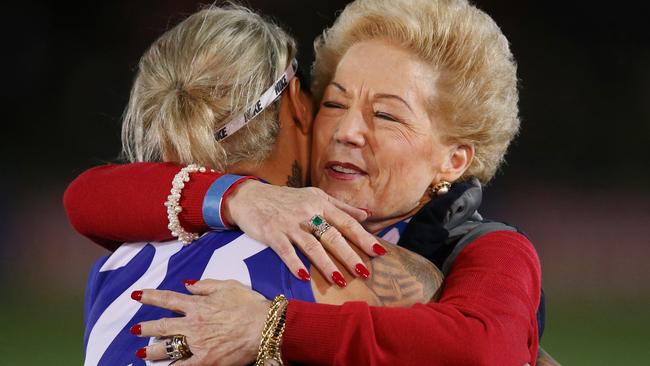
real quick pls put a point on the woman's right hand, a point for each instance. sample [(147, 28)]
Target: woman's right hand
[(279, 217)]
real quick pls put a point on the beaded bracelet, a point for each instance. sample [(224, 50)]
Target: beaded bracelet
[(269, 351), (174, 208)]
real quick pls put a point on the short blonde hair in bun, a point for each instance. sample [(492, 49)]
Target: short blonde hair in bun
[(197, 77)]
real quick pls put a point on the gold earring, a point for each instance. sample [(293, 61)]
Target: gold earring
[(440, 188)]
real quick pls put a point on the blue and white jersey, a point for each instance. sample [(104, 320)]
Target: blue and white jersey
[(109, 311)]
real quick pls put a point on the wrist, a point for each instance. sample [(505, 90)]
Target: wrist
[(173, 206), (215, 212), (271, 340), (238, 197)]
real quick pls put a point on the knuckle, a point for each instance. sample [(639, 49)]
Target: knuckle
[(161, 326), (350, 257), (267, 226), (311, 246), (231, 283), (312, 190), (332, 236), (283, 250), (348, 223), (315, 191), (165, 296), (306, 207)]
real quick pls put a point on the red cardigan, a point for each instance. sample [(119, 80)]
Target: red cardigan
[(486, 315)]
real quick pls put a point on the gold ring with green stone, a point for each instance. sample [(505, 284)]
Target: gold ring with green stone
[(318, 226)]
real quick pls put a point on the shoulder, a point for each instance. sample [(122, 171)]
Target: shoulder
[(504, 244), (506, 254)]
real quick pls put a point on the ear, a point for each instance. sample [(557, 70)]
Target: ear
[(458, 160), (301, 106)]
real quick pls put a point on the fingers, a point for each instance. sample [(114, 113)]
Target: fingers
[(336, 244), (171, 300), (203, 287), (164, 327), (317, 255), (153, 352), (354, 232), (157, 351), (358, 214), (284, 249)]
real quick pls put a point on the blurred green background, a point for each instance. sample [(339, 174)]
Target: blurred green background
[(576, 181)]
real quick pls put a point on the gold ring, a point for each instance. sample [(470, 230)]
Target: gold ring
[(318, 226), (176, 347)]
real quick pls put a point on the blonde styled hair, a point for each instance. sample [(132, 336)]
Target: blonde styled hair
[(197, 77), (478, 82)]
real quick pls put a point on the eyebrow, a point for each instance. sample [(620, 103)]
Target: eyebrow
[(377, 96), (393, 96), (339, 86)]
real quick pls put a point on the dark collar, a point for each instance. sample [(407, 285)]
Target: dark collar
[(434, 229)]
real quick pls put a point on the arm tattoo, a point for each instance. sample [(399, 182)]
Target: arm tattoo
[(403, 278)]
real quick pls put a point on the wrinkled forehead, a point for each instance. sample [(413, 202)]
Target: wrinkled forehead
[(382, 67)]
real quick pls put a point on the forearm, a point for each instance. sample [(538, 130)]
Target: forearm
[(432, 335), (112, 204), (483, 318)]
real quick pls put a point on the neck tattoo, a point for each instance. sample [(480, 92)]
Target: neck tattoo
[(294, 180)]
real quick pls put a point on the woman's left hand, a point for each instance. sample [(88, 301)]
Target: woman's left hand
[(223, 322)]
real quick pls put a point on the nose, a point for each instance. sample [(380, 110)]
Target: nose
[(351, 129)]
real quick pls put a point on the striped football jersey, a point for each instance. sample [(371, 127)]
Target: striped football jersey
[(109, 311)]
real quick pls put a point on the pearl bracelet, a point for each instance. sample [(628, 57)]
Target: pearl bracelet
[(174, 208)]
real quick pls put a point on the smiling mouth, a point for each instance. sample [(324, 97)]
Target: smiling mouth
[(344, 171)]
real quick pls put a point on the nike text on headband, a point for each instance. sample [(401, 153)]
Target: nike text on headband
[(268, 97)]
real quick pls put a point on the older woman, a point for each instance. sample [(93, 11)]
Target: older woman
[(414, 94)]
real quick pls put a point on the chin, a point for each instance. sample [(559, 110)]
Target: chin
[(351, 197)]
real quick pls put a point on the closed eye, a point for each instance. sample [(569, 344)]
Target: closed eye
[(329, 104), (386, 116)]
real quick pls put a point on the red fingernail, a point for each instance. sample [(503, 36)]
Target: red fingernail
[(338, 279), (378, 249), (136, 329), (136, 295), (141, 353), (190, 282), (368, 212), (304, 275), (362, 270)]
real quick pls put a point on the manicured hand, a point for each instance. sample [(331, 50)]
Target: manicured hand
[(279, 217), (223, 322)]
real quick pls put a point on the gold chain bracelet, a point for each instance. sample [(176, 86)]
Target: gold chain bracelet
[(271, 342)]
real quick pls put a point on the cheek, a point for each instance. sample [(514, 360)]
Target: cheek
[(323, 128), (413, 167), (321, 137)]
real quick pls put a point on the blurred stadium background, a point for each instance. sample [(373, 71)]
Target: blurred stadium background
[(577, 179)]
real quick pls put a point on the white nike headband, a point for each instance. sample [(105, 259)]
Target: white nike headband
[(268, 97)]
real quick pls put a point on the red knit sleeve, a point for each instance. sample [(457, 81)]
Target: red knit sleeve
[(486, 316), (113, 204)]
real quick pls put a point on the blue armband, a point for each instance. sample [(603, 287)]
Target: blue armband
[(212, 202)]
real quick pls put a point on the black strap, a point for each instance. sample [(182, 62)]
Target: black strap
[(480, 230)]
